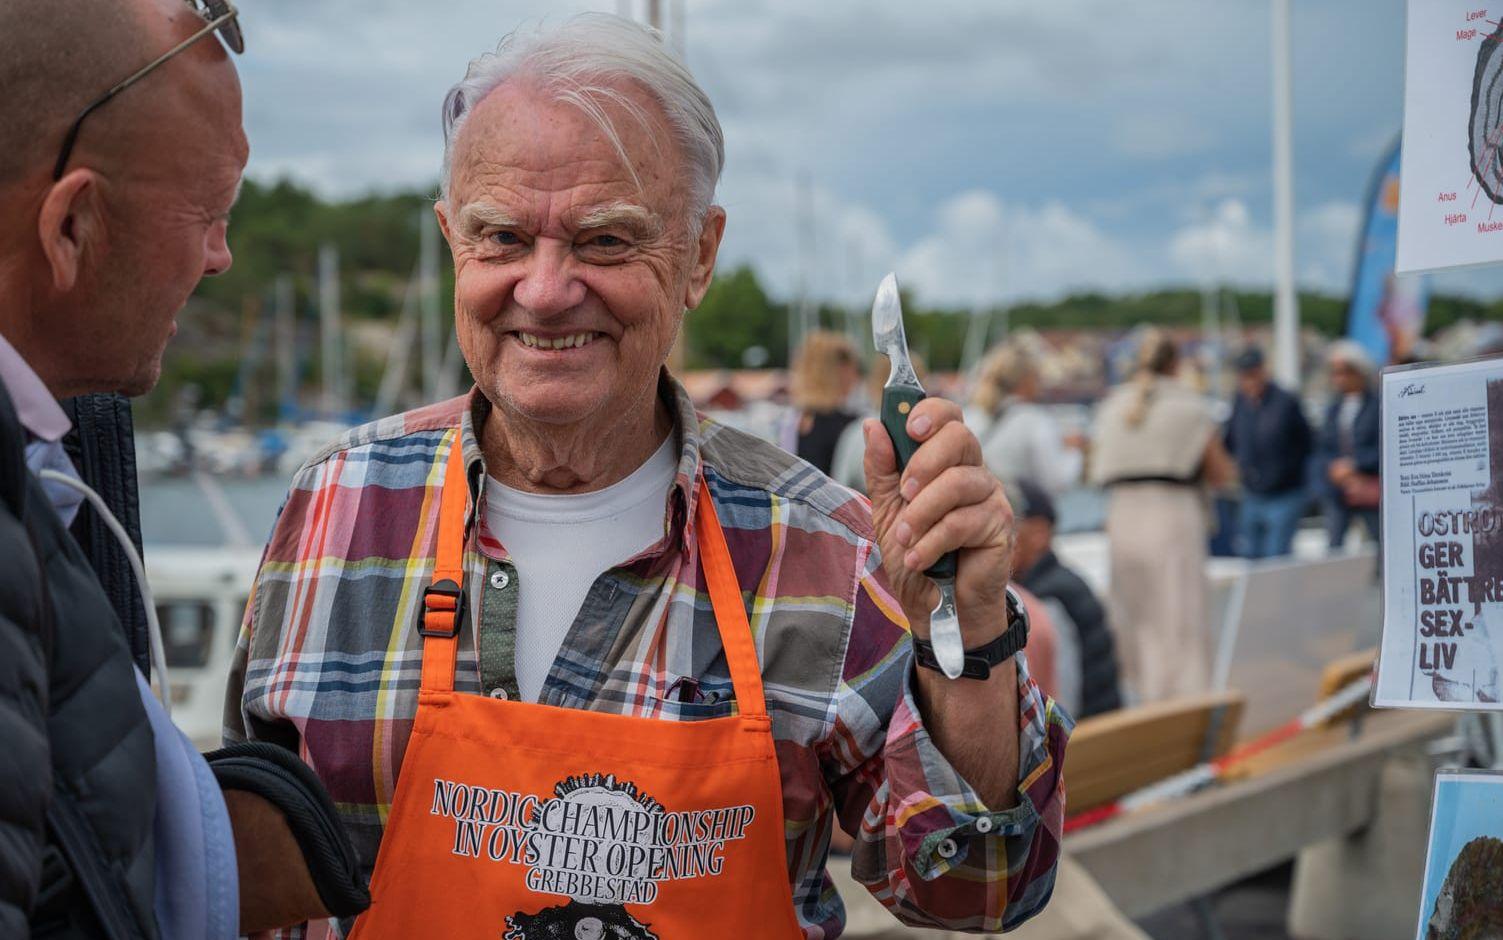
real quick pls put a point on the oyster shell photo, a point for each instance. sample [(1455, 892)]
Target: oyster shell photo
[(1470, 903)]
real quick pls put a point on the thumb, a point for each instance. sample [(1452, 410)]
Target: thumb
[(880, 463)]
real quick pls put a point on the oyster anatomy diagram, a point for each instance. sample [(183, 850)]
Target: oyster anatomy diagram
[(1485, 133)]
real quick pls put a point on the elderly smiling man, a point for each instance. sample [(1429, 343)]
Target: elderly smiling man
[(582, 663)]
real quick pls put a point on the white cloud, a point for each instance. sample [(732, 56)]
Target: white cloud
[(1223, 247), (981, 250), (985, 150), (1327, 245), (1156, 135), (1228, 246), (852, 245)]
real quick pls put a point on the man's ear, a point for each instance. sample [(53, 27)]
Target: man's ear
[(710, 233), (441, 209), (71, 225)]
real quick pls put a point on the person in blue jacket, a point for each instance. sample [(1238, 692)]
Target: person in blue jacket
[(1347, 448), (1268, 436)]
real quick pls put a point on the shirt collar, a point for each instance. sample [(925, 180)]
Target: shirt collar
[(40, 414), (679, 510)]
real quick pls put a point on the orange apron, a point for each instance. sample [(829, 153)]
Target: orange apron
[(518, 821)]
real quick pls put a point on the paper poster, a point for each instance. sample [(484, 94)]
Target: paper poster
[(1463, 888), (1451, 183), (1442, 509)]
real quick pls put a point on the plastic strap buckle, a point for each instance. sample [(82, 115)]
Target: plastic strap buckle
[(441, 599)]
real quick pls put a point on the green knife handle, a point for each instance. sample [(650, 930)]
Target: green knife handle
[(897, 404)]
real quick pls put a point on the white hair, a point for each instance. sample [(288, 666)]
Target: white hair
[(1355, 355), (583, 62)]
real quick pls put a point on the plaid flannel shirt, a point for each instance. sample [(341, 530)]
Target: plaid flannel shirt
[(328, 660)]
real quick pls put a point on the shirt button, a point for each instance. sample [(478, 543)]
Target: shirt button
[(984, 824), (500, 579), (948, 848), (499, 693)]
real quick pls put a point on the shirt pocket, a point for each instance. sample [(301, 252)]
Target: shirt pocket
[(691, 700)]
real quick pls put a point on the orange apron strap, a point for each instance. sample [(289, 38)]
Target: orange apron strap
[(443, 599), (730, 611)]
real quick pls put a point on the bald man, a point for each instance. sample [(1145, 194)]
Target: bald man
[(109, 826)]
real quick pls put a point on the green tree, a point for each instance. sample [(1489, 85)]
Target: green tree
[(735, 316)]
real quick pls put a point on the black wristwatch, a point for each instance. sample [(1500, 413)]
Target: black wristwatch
[(980, 661)]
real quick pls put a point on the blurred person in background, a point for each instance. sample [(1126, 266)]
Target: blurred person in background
[(1019, 440), (826, 373), (1269, 438), (1347, 451), (1156, 450), (1087, 682)]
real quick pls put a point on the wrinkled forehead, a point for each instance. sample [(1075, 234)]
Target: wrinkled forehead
[(523, 145)]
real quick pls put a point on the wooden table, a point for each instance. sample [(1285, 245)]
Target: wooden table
[(1317, 786)]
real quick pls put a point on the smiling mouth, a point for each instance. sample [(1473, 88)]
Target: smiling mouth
[(571, 341)]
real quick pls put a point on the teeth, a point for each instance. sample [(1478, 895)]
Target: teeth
[(572, 341)]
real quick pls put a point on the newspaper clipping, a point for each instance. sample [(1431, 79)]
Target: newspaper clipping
[(1442, 536)]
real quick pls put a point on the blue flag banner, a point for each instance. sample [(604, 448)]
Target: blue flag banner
[(1386, 314)]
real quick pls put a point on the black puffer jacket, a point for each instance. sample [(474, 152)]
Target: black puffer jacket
[(25, 774), (77, 803), (1051, 580)]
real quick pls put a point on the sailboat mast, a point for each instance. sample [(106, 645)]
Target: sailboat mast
[(328, 312), (428, 303), (283, 303)]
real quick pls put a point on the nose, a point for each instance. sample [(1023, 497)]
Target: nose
[(548, 284), (217, 255)]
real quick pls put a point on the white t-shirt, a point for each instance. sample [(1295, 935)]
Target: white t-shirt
[(561, 544)]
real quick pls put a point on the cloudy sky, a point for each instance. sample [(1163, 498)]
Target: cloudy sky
[(986, 149)]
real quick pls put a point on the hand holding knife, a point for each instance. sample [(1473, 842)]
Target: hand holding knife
[(902, 392)]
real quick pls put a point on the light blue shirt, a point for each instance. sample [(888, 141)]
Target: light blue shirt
[(46, 424)]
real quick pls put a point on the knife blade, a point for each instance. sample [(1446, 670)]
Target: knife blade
[(899, 396)]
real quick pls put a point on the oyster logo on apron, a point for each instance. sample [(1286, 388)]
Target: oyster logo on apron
[(596, 840), (576, 921)]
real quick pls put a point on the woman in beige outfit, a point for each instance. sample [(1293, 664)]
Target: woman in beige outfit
[(1156, 450)]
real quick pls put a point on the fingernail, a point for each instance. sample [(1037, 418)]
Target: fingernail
[(919, 426), (904, 533), (910, 489), (911, 560)]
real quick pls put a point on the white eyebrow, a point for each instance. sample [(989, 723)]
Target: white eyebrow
[(478, 215), (620, 213)]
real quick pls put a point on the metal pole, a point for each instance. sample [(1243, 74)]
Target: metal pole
[(285, 344), (328, 310), (808, 306), (389, 392), (655, 14), (1286, 301), (432, 331), (798, 315), (1210, 333), (678, 34)]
